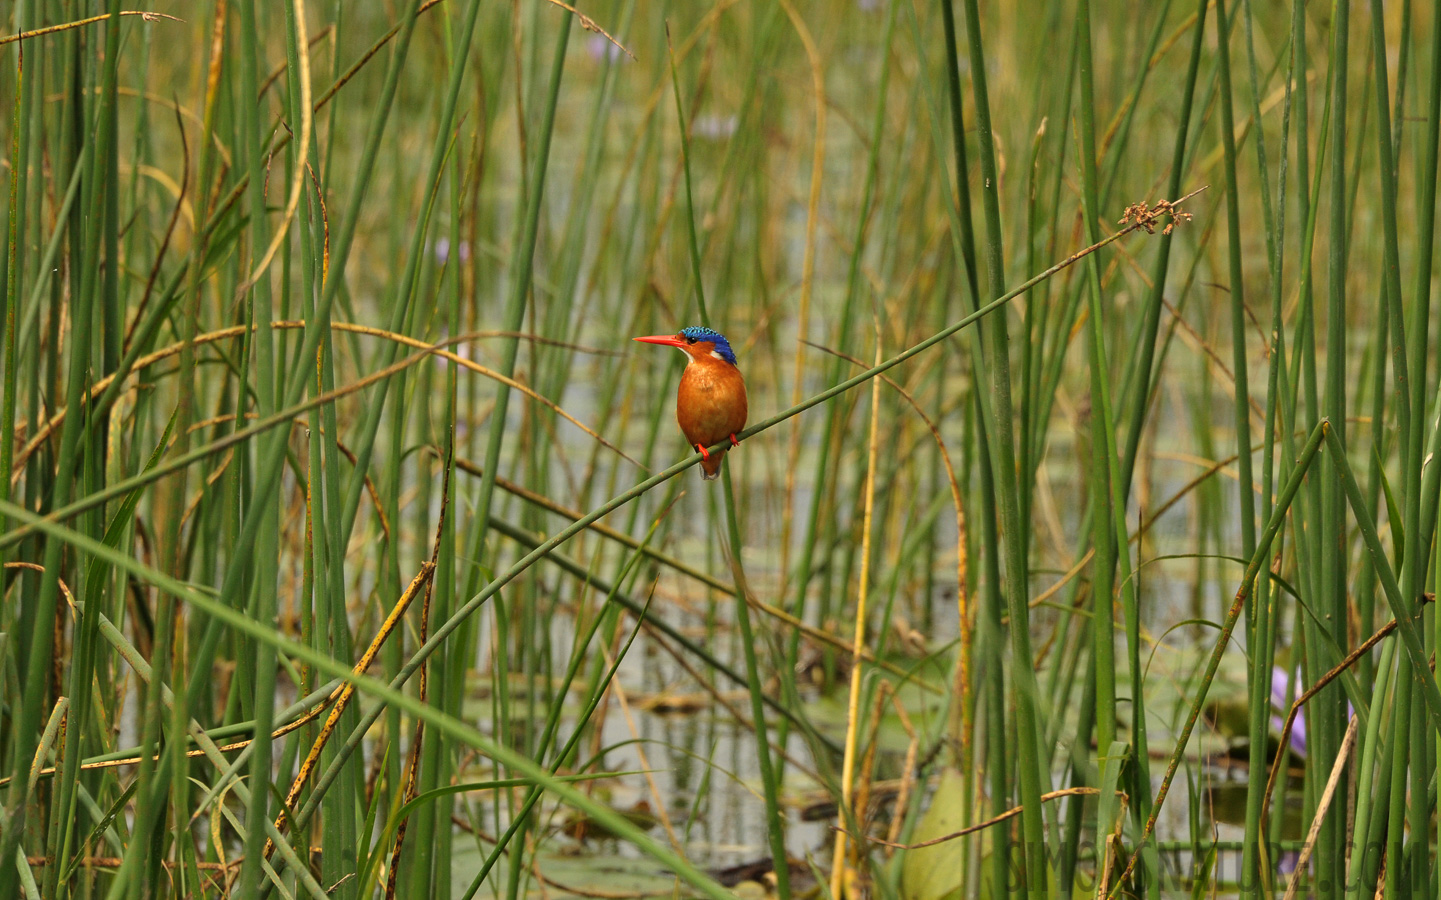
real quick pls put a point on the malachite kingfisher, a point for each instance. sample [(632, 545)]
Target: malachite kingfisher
[(711, 403)]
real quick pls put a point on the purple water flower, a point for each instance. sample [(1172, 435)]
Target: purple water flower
[(715, 127), (1282, 683), (599, 48), (442, 250), (1281, 689)]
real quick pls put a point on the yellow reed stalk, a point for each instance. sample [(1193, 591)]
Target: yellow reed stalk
[(343, 694), (838, 862)]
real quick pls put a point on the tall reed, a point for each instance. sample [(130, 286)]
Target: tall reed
[(347, 551)]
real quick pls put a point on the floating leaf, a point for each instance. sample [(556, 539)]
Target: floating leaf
[(932, 873)]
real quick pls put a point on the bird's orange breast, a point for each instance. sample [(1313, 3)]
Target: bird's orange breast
[(711, 402)]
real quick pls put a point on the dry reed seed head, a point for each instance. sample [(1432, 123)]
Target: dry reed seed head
[(591, 25), (1135, 211), (1143, 215)]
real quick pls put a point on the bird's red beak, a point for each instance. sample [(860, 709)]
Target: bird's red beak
[(669, 340)]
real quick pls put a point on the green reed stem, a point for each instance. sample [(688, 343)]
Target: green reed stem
[(775, 824), (1329, 706), (1104, 536), (1253, 567), (544, 549), (25, 726), (1140, 397), (444, 724), (503, 843)]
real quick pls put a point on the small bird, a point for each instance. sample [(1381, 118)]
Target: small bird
[(711, 403)]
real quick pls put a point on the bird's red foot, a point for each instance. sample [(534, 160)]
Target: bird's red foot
[(704, 454), (734, 442)]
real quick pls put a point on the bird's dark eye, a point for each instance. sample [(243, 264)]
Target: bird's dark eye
[(689, 339)]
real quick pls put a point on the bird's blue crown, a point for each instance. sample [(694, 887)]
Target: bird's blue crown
[(696, 333)]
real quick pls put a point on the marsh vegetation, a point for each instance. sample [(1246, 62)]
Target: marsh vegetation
[(350, 547)]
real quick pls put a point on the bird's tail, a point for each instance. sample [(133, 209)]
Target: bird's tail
[(710, 468)]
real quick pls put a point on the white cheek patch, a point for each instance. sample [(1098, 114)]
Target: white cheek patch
[(716, 354)]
